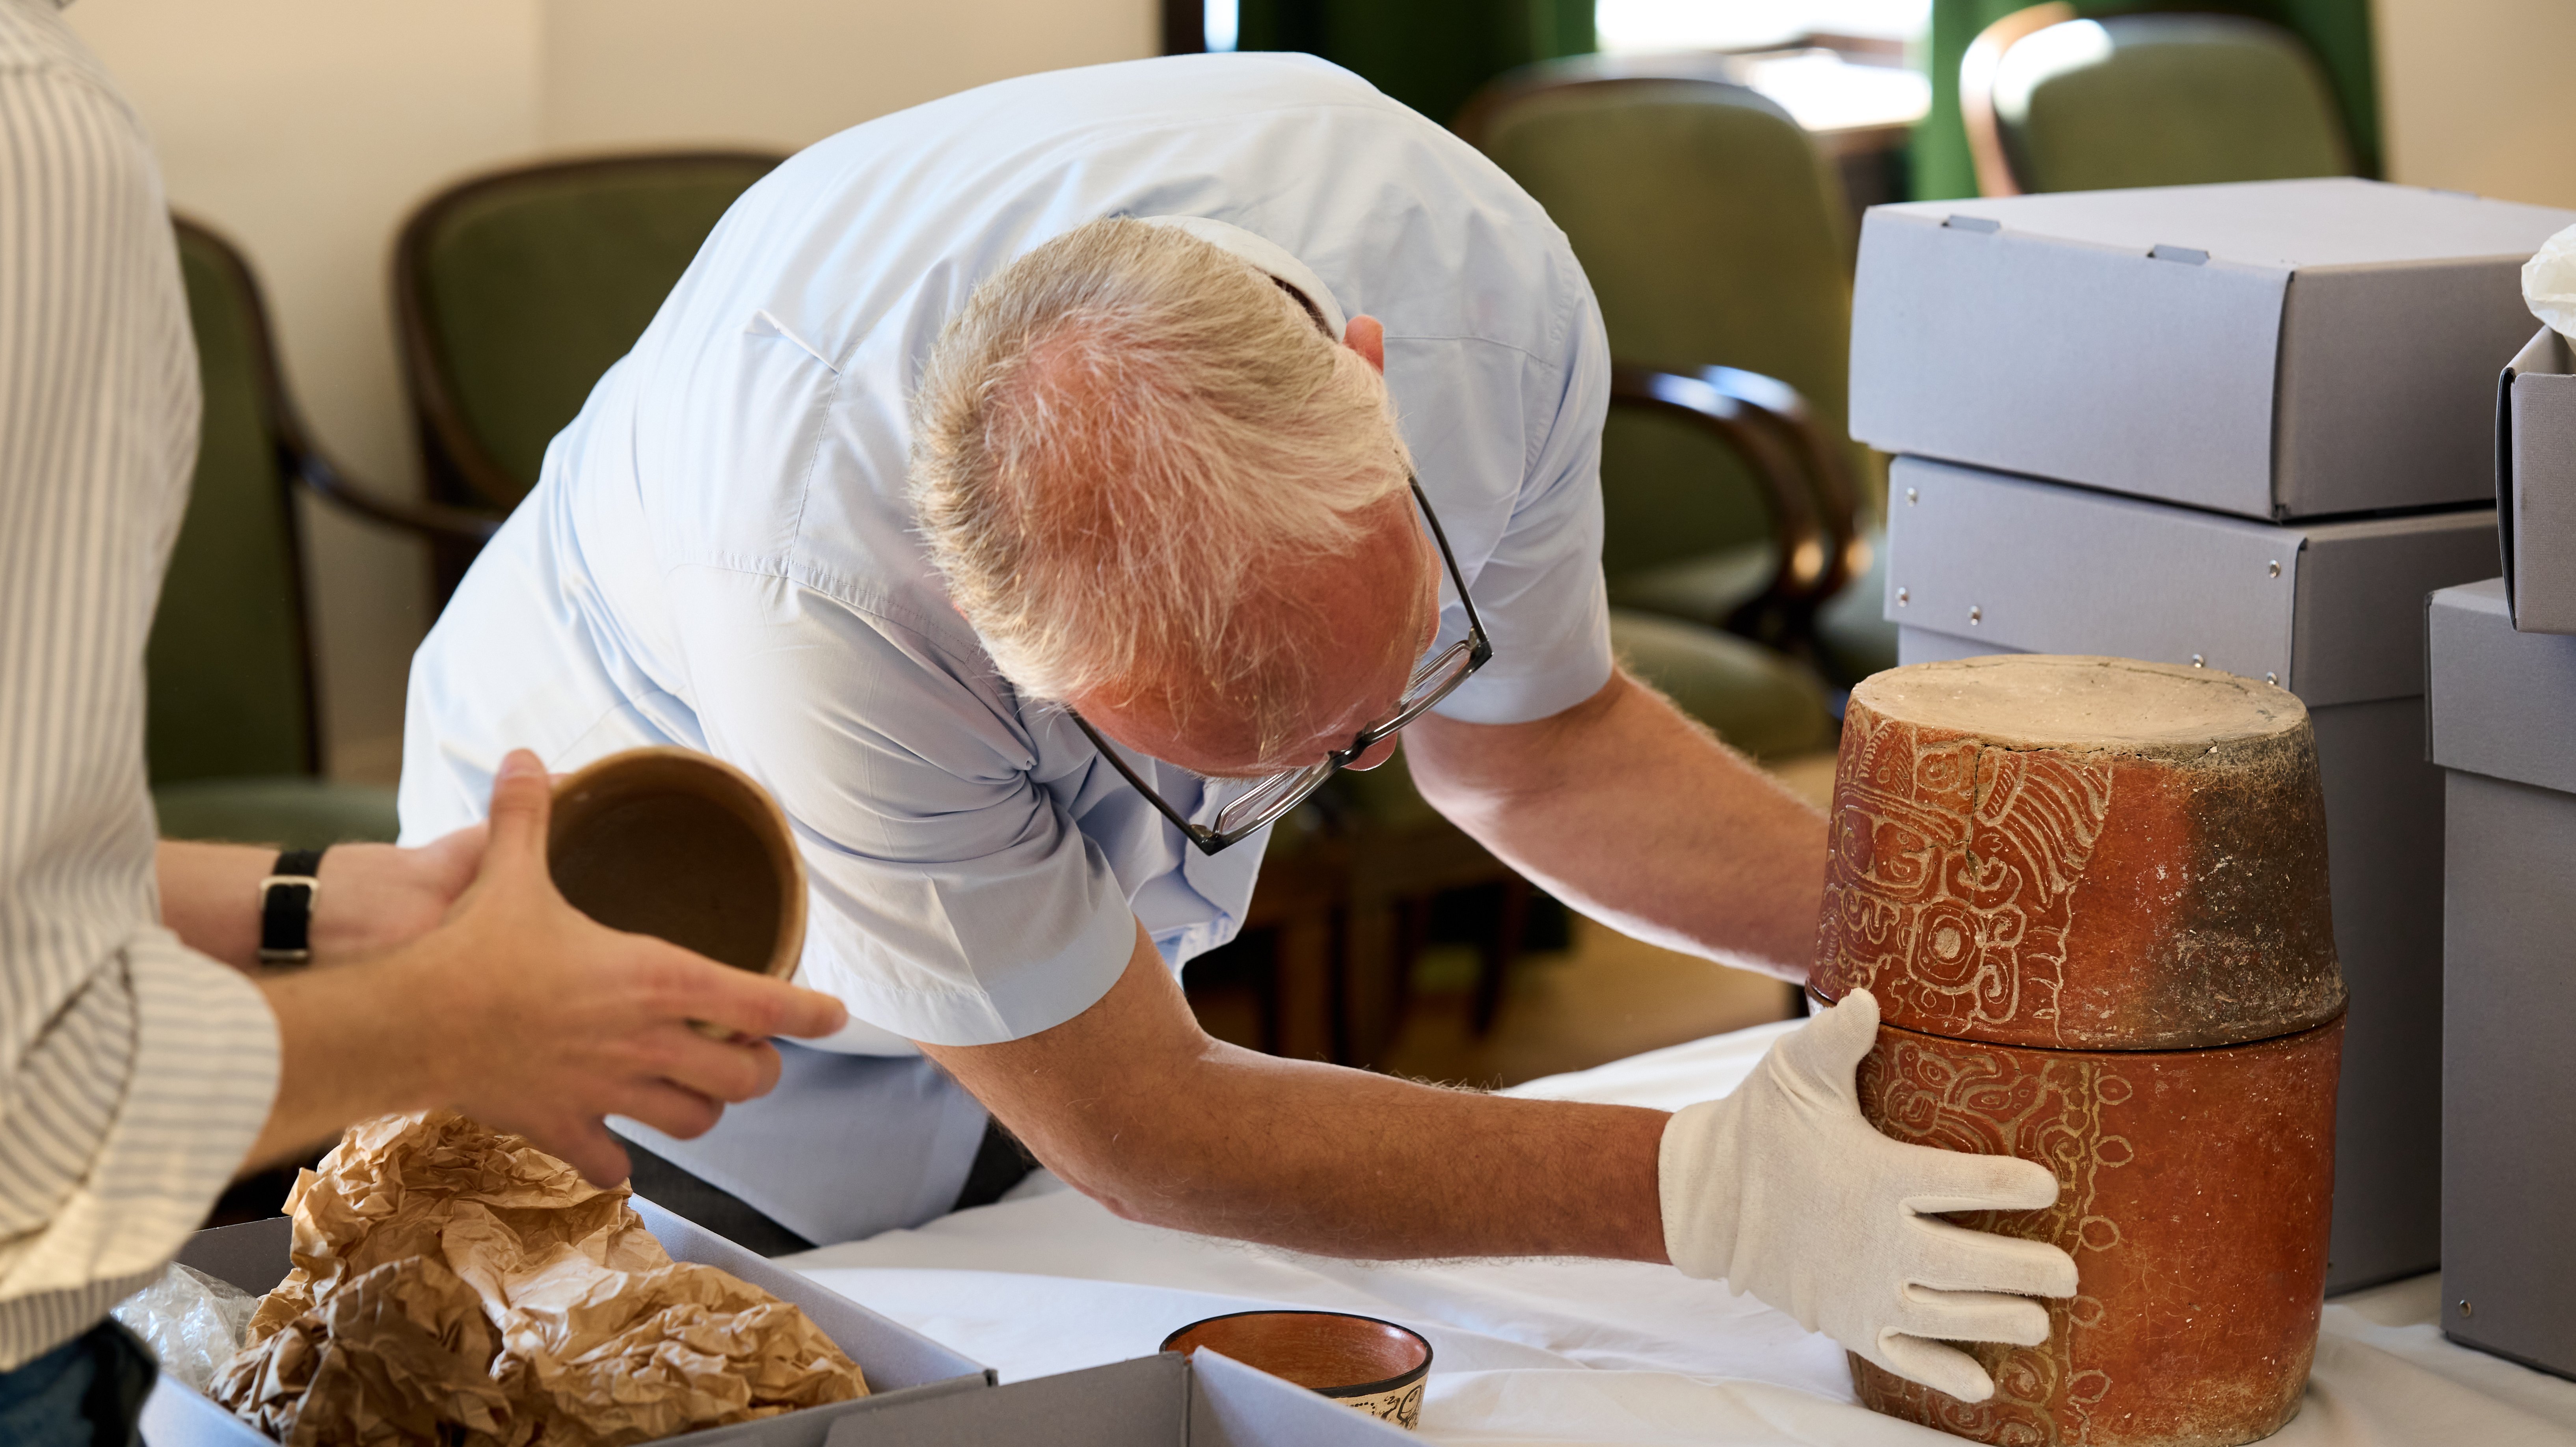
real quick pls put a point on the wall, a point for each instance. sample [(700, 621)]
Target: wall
[(2473, 96), (306, 129)]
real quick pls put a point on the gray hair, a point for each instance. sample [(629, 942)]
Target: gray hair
[(1120, 443)]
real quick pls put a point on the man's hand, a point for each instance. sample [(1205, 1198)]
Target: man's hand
[(529, 1016), (1784, 1190), (375, 896)]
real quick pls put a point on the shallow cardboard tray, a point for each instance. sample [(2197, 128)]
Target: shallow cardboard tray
[(1986, 563), (2271, 349), (2535, 484), (902, 1366), (1203, 1400)]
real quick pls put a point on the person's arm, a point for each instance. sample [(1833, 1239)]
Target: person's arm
[(1133, 1104), (1630, 811), (1782, 1188), (369, 896)]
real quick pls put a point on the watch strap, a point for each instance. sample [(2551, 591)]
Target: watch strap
[(286, 908)]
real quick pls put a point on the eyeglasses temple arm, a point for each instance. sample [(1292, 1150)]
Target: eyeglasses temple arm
[(1475, 625), (1199, 835)]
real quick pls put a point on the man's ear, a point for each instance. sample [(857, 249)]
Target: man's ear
[(1366, 335)]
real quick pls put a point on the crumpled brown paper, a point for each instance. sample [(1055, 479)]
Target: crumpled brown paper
[(456, 1285)]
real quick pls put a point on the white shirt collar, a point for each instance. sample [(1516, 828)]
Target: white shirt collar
[(1268, 255)]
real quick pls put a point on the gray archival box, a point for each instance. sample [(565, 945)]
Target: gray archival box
[(2272, 349), (2501, 702), (1166, 1401), (1983, 563), (2535, 484)]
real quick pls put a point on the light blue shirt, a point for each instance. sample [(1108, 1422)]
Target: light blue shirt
[(720, 554)]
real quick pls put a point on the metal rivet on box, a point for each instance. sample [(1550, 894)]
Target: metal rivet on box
[(1903, 598), (2464, 1306), (1911, 496), (1976, 615), (2276, 567), (2197, 662), (2273, 679)]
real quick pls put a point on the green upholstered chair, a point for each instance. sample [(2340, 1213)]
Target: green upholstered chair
[(1753, 697), (2056, 103), (1715, 237), (232, 733), (514, 291)]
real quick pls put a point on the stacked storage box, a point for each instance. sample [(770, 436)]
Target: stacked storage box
[(2246, 427), (2501, 706)]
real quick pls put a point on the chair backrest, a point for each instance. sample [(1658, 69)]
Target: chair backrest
[(2054, 103), (229, 668), (1714, 234), (513, 292)]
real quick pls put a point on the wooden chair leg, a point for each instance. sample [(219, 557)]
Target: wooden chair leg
[(1413, 925), (1502, 946), (1308, 969), (1270, 1009)]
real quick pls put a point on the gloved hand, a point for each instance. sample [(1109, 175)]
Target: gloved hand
[(1783, 1190)]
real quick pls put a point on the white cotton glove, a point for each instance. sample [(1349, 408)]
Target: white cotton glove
[(1783, 1190)]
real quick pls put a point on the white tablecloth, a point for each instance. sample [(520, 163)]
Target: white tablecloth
[(1584, 1351)]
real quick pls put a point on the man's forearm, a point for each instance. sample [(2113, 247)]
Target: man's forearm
[(210, 897), (370, 897), (1631, 812), (350, 1046), (1133, 1105), (1378, 1168)]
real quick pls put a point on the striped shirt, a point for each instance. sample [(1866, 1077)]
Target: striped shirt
[(134, 1073)]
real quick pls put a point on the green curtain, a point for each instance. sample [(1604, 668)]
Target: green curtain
[(1429, 54), (2338, 30)]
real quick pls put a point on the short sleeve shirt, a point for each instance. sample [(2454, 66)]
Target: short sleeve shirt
[(720, 553)]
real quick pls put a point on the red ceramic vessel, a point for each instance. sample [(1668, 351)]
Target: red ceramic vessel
[(2090, 897)]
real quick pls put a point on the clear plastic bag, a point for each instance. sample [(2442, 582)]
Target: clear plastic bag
[(193, 1322), (2549, 283)]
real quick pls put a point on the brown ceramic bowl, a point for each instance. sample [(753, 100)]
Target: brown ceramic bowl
[(1359, 1361), (672, 843)]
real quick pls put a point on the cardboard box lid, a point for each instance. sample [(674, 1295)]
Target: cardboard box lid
[(2535, 477), (1204, 1400), (2501, 701), (2331, 611), (900, 1363), (2270, 349)]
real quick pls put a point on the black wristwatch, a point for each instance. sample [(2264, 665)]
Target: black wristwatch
[(286, 908)]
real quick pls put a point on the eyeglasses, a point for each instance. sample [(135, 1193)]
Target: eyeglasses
[(1274, 796)]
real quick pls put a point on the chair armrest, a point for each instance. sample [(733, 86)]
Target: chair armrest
[(1828, 461), (435, 521), (1766, 424)]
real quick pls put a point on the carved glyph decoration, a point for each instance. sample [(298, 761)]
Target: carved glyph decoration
[(1400, 1405), (1955, 871), (1997, 1102)]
